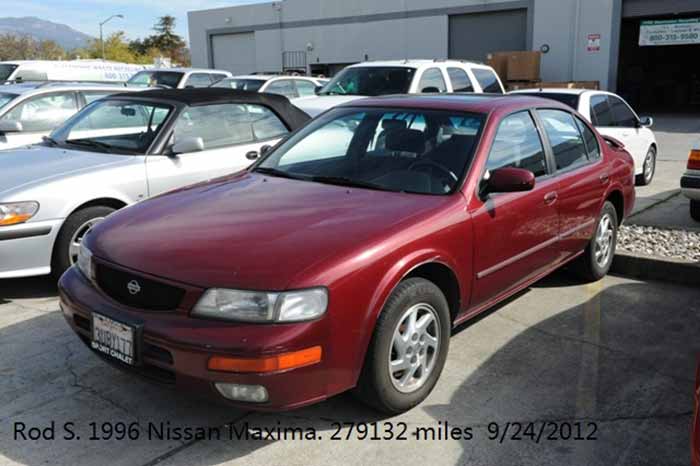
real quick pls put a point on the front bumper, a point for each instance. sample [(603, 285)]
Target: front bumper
[(174, 349), (690, 185), (25, 249)]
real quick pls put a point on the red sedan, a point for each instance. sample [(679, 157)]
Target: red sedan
[(343, 258)]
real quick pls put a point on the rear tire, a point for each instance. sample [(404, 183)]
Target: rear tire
[(598, 256), (695, 210), (75, 227), (649, 169), (408, 348)]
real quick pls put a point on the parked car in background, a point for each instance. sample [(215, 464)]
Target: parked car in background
[(402, 77), (690, 182), (73, 70), (695, 429), (31, 110), (177, 78), (340, 262), (292, 87), (121, 150), (612, 116)]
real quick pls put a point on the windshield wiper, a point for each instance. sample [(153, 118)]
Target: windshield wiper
[(278, 173), (343, 181), (91, 143)]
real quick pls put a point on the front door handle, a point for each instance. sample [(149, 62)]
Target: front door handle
[(551, 198), (604, 178), (252, 155)]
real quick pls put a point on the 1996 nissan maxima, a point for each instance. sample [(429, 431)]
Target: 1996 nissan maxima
[(344, 258)]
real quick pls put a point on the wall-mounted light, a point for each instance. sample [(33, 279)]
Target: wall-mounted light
[(309, 47)]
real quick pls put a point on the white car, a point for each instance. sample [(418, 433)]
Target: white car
[(177, 78), (613, 117), (292, 87), (402, 77), (690, 182), (31, 110), (67, 70)]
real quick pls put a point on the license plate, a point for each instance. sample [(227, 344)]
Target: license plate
[(113, 338)]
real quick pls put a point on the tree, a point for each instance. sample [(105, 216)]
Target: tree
[(116, 49), (167, 42), (50, 50)]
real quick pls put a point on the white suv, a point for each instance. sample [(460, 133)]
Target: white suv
[(613, 117), (402, 77)]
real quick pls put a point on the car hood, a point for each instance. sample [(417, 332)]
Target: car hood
[(253, 232), (41, 164), (316, 105)]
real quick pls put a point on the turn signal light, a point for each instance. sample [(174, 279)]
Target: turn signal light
[(694, 160), (279, 362)]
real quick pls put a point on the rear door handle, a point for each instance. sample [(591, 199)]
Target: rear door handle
[(551, 198)]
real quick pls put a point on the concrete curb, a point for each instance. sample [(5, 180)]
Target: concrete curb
[(656, 268)]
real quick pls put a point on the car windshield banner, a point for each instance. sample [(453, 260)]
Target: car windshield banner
[(670, 32)]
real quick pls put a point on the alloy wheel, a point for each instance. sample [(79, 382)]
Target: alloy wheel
[(414, 348), (604, 240), (649, 166), (77, 238)]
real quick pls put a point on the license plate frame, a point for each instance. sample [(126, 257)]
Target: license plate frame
[(115, 339)]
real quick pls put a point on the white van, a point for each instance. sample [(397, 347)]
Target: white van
[(73, 70)]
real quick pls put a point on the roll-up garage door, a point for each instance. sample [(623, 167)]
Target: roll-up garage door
[(473, 36), (234, 52)]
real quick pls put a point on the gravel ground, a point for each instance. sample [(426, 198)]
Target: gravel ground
[(676, 244)]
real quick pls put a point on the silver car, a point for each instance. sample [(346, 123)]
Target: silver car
[(30, 111), (121, 150)]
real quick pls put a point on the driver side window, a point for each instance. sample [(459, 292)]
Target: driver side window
[(518, 145)]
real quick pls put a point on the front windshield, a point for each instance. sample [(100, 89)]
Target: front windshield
[(6, 71), (169, 79), (6, 98), (417, 151), (371, 81), (252, 85), (114, 126)]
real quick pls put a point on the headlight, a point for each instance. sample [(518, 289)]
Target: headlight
[(17, 212), (253, 306), (85, 262)]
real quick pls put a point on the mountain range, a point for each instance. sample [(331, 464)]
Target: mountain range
[(40, 29)]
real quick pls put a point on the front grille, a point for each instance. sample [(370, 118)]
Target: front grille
[(138, 292)]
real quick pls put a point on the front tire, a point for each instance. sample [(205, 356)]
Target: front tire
[(649, 169), (695, 210), (74, 229), (598, 256), (408, 349)]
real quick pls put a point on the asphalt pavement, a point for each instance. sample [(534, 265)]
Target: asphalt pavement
[(564, 373)]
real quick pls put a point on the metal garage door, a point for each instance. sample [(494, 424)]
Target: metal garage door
[(473, 36), (234, 52)]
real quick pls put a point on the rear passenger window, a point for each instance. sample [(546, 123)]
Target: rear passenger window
[(198, 80), (590, 139), (622, 114), (518, 145), (488, 81), (283, 87), (565, 138), (432, 81), (460, 80), (305, 88), (601, 115)]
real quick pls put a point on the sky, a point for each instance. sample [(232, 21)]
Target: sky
[(139, 15)]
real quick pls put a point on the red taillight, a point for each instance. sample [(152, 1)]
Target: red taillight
[(694, 160)]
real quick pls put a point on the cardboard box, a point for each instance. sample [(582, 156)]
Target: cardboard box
[(524, 66), (499, 62)]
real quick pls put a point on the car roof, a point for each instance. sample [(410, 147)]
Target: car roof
[(553, 90), (414, 63), (187, 70), (462, 102), (219, 95), (45, 86), (267, 77)]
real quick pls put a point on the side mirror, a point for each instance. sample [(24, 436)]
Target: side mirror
[(646, 122), (430, 90), (187, 145), (507, 180), (265, 149), (11, 126)]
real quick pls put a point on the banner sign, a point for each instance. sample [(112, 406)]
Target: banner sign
[(670, 32)]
